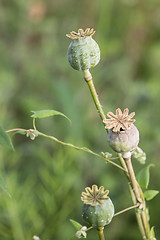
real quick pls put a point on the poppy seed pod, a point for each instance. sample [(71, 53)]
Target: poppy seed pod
[(124, 141), (123, 136), (98, 209), (83, 51)]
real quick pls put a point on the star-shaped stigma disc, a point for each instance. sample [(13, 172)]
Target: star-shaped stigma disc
[(120, 121), (81, 33), (94, 196)]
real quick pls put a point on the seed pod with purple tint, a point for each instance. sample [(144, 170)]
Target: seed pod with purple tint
[(123, 136)]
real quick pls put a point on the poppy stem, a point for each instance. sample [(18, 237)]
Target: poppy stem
[(101, 233)]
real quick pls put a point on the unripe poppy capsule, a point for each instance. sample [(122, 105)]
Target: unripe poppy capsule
[(98, 209), (83, 51)]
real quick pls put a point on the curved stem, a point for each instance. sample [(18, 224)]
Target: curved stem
[(16, 129), (69, 145), (80, 148), (34, 124), (101, 233)]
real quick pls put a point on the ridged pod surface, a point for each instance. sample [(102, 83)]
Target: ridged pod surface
[(83, 53), (99, 215)]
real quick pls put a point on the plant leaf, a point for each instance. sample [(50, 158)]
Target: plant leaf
[(5, 139), (77, 225), (3, 186), (21, 132), (150, 194), (144, 175), (152, 233), (47, 113)]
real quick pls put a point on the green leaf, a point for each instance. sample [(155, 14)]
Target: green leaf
[(21, 132), (152, 233), (5, 139), (47, 113), (77, 225), (3, 186), (144, 175), (150, 194)]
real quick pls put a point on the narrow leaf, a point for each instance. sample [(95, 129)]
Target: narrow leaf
[(150, 194), (47, 113), (21, 132), (152, 233), (144, 176), (3, 186), (77, 225), (5, 139)]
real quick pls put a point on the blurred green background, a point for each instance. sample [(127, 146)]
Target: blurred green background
[(45, 179)]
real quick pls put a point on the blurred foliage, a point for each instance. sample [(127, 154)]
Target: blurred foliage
[(45, 179)]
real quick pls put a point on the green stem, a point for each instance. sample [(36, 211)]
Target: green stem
[(88, 79), (69, 145), (16, 129), (134, 200), (34, 124), (133, 178), (139, 196), (80, 148), (126, 209), (101, 233), (135, 194)]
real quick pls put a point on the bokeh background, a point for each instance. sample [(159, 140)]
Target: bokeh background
[(44, 178)]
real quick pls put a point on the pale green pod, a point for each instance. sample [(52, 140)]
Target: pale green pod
[(99, 215), (98, 209), (83, 53)]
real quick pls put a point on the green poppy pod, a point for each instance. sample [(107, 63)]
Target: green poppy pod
[(83, 51), (98, 209)]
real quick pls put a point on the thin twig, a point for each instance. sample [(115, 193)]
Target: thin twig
[(16, 129), (68, 144), (126, 209), (81, 148)]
